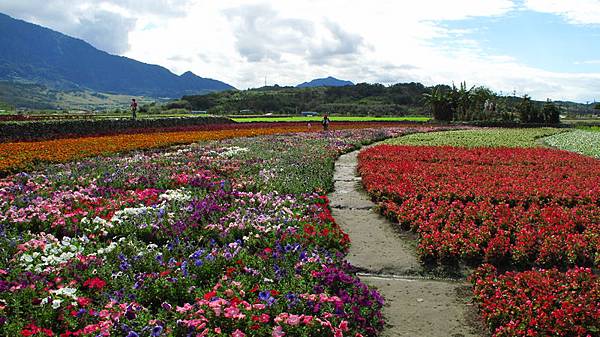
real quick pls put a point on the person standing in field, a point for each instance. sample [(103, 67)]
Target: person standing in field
[(133, 108), (325, 123)]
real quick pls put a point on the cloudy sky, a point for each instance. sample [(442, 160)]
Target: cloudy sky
[(546, 48)]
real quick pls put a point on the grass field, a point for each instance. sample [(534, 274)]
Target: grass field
[(479, 138), (333, 119), (589, 128)]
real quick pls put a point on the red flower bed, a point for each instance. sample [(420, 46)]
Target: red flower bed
[(539, 302), (519, 207)]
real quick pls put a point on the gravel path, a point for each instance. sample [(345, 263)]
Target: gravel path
[(415, 305)]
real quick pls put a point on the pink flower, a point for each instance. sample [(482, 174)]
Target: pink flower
[(278, 331), (344, 326), (295, 320), (264, 318), (231, 312), (238, 333)]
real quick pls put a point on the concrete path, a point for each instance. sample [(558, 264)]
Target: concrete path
[(415, 305)]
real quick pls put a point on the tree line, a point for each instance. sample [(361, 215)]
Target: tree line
[(443, 102)]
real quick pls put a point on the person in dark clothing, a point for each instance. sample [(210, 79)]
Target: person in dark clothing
[(133, 106), (325, 122)]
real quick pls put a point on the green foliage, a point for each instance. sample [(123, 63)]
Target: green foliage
[(597, 107), (5, 106), (360, 99), (441, 104), (586, 142), (479, 138), (530, 112), (462, 104), (551, 113), (593, 128), (333, 119), (39, 97), (179, 104)]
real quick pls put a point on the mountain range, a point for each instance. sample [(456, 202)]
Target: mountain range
[(34, 54), (325, 82), (45, 69)]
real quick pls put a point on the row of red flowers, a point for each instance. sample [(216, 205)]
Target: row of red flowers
[(512, 209), (525, 207)]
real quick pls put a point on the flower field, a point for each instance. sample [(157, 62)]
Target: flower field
[(18, 156), (479, 138), (507, 208), (586, 142), (219, 238)]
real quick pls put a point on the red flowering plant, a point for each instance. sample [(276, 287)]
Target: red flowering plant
[(511, 209), (525, 207), (539, 302)]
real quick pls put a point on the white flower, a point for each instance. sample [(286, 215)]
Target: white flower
[(66, 291), (176, 195), (56, 304)]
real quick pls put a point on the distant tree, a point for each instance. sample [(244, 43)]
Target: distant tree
[(440, 104), (597, 107), (179, 104), (551, 112), (527, 110)]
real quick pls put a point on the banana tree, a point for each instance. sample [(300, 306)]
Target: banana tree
[(440, 103)]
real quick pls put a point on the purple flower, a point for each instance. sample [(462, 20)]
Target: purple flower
[(156, 331), (132, 334)]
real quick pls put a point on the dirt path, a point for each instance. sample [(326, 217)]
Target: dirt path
[(415, 305)]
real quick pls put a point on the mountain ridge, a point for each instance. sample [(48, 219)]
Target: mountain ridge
[(325, 82), (36, 54)]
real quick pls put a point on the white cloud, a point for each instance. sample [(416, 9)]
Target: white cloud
[(588, 62), (575, 11)]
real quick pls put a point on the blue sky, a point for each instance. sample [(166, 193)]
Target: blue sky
[(545, 41), (544, 48)]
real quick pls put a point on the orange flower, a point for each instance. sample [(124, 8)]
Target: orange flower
[(25, 155)]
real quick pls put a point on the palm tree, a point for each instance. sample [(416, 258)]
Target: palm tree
[(440, 104)]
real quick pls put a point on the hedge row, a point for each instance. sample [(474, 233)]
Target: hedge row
[(41, 130)]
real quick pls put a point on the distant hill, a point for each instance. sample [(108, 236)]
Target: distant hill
[(37, 96), (325, 82), (34, 54)]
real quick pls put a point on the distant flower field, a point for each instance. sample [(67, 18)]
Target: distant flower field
[(17, 156), (219, 238)]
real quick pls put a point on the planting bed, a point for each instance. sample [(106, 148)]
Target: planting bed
[(16, 156), (586, 142), (491, 137), (505, 209), (219, 238)]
